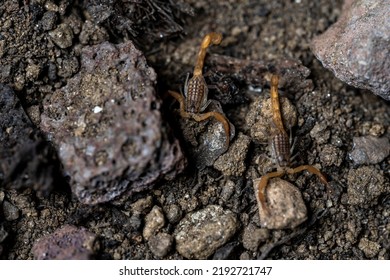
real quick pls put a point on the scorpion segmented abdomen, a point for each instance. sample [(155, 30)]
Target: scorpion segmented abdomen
[(281, 149), (196, 94)]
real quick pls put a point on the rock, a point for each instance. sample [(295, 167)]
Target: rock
[(3, 233), (142, 205), (369, 248), (173, 213), (369, 149), (259, 119), (154, 221), (160, 244), (10, 211), (202, 232), (227, 190), (285, 204), (253, 236), (365, 185), (356, 47), (232, 163), (206, 139), (66, 243), (26, 159), (62, 36), (106, 125), (227, 251), (48, 21)]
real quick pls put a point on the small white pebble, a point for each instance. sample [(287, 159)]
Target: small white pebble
[(97, 109)]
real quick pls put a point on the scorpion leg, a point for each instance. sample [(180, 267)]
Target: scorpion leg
[(309, 168), (181, 101), (314, 171), (219, 117), (263, 185)]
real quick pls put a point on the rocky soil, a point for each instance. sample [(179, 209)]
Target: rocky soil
[(96, 161)]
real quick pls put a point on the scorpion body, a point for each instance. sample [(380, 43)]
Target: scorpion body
[(195, 99), (281, 149)]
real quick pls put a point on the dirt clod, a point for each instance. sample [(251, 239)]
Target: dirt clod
[(259, 119), (253, 236), (365, 186), (62, 36), (232, 163), (370, 248)]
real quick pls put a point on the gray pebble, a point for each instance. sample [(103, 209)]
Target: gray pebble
[(135, 222), (201, 233), (10, 211), (369, 248), (160, 244), (285, 204), (48, 20), (154, 221), (173, 213), (227, 190), (232, 163), (62, 36), (369, 149)]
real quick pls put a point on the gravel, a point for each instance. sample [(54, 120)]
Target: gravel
[(202, 232)]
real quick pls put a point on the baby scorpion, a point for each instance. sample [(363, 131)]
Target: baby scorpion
[(194, 101), (281, 150)]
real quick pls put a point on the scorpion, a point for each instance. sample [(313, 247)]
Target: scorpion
[(281, 150), (195, 101)]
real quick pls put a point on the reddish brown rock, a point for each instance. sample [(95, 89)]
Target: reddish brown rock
[(356, 47), (66, 243), (106, 125)]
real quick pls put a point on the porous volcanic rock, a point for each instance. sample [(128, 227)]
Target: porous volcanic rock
[(106, 125)]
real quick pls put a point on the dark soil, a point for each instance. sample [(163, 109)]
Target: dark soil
[(353, 223)]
